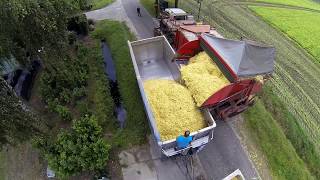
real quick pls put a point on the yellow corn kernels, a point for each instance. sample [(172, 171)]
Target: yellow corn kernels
[(202, 77), (173, 108)]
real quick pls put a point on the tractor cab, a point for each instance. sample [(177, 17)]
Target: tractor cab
[(176, 14), (170, 21)]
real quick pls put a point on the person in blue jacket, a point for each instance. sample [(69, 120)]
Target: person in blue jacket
[(184, 140)]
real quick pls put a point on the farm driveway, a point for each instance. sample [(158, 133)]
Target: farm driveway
[(221, 156)]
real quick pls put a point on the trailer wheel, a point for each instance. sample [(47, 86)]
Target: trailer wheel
[(163, 157), (235, 113)]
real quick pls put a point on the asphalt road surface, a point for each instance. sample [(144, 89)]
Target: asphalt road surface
[(224, 154)]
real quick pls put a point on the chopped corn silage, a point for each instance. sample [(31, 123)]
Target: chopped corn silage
[(202, 77), (173, 108)]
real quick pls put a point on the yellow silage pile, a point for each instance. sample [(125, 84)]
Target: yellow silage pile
[(173, 108), (202, 77)]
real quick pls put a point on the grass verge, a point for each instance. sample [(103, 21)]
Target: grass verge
[(116, 35), (149, 5), (282, 157), (98, 4), (293, 131)]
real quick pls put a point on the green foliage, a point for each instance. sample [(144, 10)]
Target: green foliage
[(66, 80), (72, 37), (80, 149), (79, 92), (17, 122), (79, 24), (100, 100), (302, 26), (63, 112), (85, 4), (282, 158), (3, 163), (293, 131), (83, 108), (116, 35), (27, 26)]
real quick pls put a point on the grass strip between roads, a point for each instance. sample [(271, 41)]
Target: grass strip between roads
[(282, 158), (98, 4), (117, 34)]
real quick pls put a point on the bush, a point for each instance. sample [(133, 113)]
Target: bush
[(79, 92), (79, 24), (65, 96), (91, 27), (85, 4), (64, 82), (72, 37), (91, 22), (63, 112), (81, 149), (83, 108), (67, 78)]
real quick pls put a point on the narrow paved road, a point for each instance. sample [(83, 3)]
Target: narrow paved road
[(224, 154), (144, 24)]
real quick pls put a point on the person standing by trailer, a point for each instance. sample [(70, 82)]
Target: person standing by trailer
[(138, 11), (184, 141)]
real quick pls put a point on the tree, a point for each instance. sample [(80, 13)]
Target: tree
[(80, 149), (17, 122), (28, 26)]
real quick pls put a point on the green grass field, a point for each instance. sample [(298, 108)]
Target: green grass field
[(300, 3), (281, 155), (293, 131), (116, 35), (302, 26), (98, 4)]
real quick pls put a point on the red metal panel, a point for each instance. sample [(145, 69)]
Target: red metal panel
[(180, 40), (233, 74), (189, 49), (197, 28), (226, 92)]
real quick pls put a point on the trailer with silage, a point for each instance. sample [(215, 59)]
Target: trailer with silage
[(207, 78), (168, 103)]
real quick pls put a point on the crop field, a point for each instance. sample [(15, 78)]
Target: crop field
[(298, 3), (296, 79), (302, 26)]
